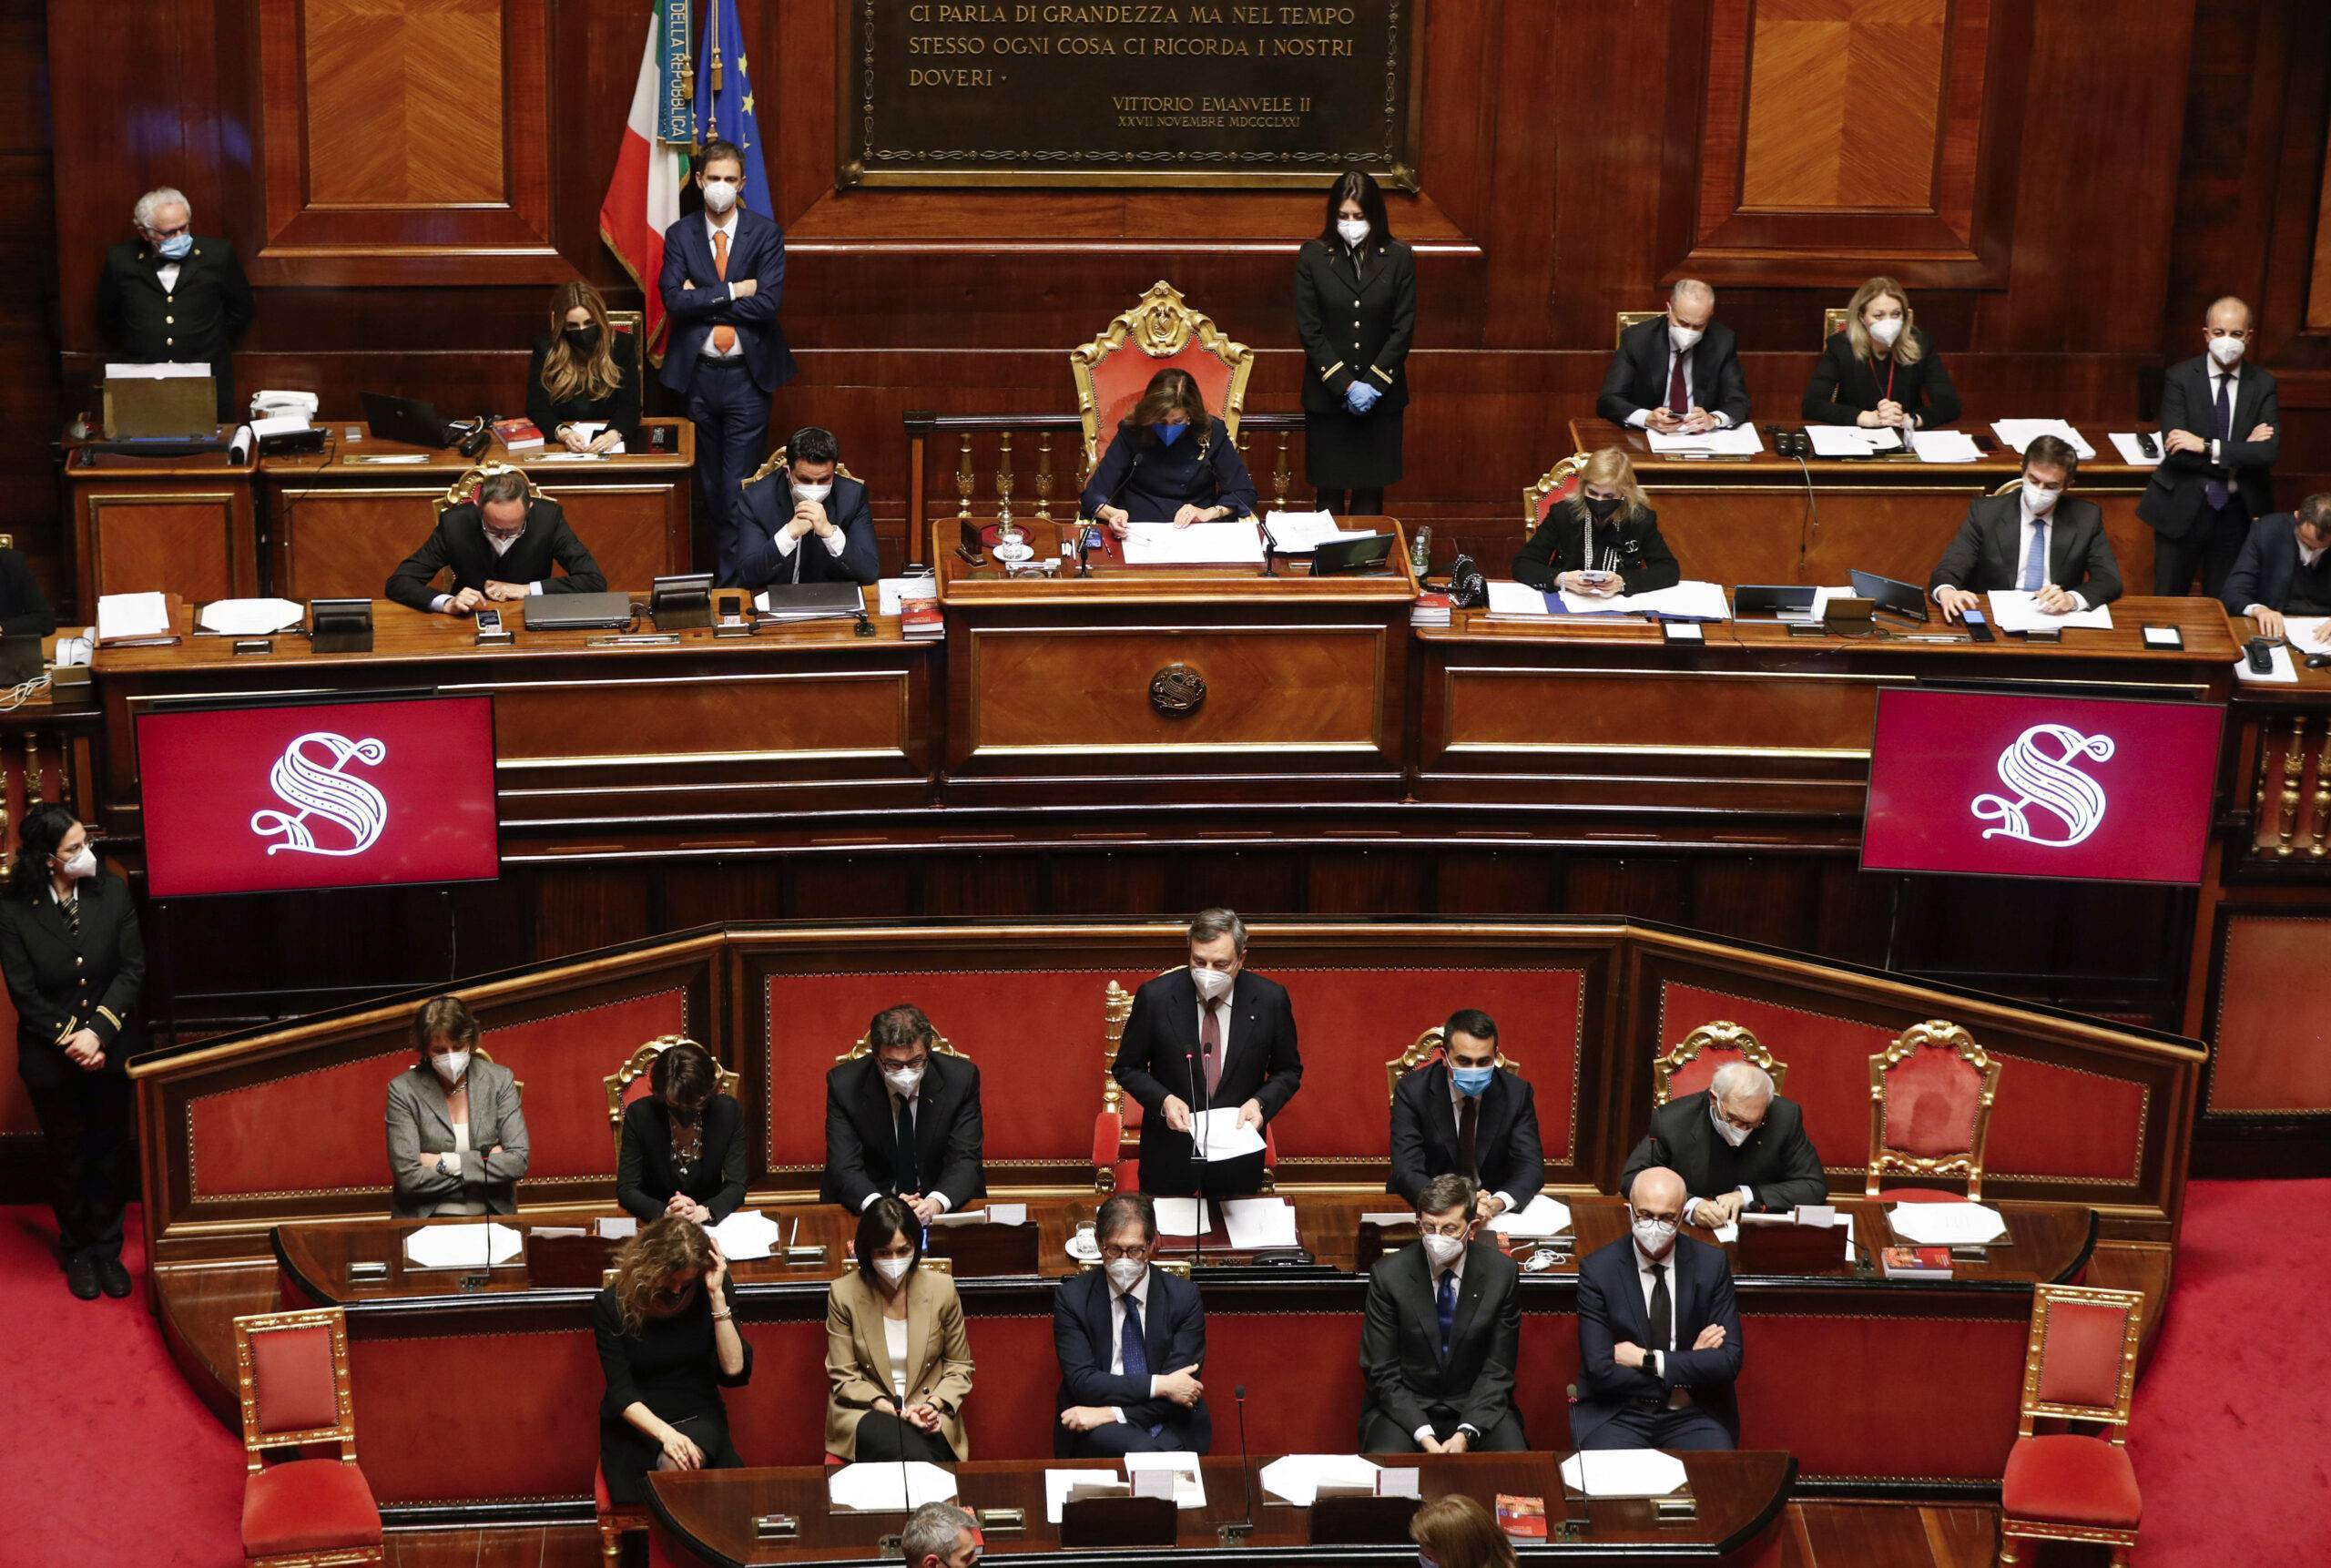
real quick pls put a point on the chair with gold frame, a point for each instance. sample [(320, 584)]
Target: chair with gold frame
[(1833, 321), (1428, 1047), (1690, 1065), (1116, 1129), (776, 461), (630, 1081), (1931, 1096), (939, 1047), (1159, 333), (291, 1375), (1558, 482), (2081, 1365), (1632, 319), (463, 491)]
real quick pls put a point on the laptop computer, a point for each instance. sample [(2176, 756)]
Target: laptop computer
[(1906, 600), (1341, 557), (578, 612), (1774, 601), (404, 419)]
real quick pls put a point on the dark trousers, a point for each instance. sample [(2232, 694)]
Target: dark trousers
[(1350, 502), (84, 1131), (2211, 549), (1119, 1438), (1378, 1434), (1655, 1426), (731, 418), (883, 1436)]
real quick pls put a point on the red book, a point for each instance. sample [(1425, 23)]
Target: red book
[(920, 618), (518, 434), (1916, 1262), (1523, 1518)]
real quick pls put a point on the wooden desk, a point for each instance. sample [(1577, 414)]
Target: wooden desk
[(1054, 684), (146, 525), (706, 1516), (339, 521), (1752, 521)]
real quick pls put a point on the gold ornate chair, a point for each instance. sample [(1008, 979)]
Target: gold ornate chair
[(1833, 321), (630, 1081), (1558, 482), (1690, 1065), (1632, 318), (776, 461), (291, 1372), (2079, 1366), (1931, 1096), (1428, 1047), (1116, 1129), (1160, 332), (464, 490), (939, 1047)]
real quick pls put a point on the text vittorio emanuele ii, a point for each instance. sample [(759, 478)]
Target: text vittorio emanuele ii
[(1144, 32)]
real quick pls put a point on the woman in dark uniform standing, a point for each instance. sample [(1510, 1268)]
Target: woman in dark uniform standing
[(70, 951), (1355, 375), (1170, 462)]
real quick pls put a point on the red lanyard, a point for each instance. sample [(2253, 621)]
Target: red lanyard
[(1890, 377)]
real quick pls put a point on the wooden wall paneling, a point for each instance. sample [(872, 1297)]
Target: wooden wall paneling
[(2271, 1030), (199, 544), (30, 390)]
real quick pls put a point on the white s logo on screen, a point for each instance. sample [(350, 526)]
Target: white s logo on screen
[(324, 790), (2047, 786)]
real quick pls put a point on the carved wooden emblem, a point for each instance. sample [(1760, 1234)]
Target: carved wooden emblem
[(1177, 690)]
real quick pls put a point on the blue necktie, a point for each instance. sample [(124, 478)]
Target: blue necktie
[(1444, 1307), (2214, 489), (1134, 1351), (2035, 565)]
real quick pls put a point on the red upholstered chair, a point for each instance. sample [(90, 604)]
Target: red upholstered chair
[(1116, 1129), (1160, 332), (1930, 1110), (630, 1081), (1558, 482), (613, 1523), (2080, 1367), (1690, 1065), (1428, 1049), (292, 1369)]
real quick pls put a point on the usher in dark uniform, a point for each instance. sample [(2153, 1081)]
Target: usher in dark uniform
[(1355, 313), (193, 322)]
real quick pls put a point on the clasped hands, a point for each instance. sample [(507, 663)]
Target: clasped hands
[(1668, 422), (577, 442), (1177, 1114), (85, 1049), (1359, 397), (921, 1415), (1181, 1388), (687, 1208), (1886, 412), (1635, 1358), (810, 517)]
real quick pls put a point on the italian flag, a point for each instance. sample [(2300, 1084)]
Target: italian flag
[(642, 199)]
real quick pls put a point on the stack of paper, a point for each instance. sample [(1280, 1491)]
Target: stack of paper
[(1297, 1478), (1852, 440), (1623, 1473), (1686, 601), (1188, 1484), (1945, 447), (1542, 1216), (1220, 1135), (992, 1214), (2013, 610), (2019, 434), (622, 1227), (1183, 1215), (249, 617), (1740, 441), (1230, 543), (1946, 1224), (888, 1487), (1059, 1483), (1259, 1222), (1521, 599), (487, 1246), (1300, 533), (746, 1235), (133, 618)]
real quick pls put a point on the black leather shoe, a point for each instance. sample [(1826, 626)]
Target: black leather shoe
[(81, 1278), (113, 1278)]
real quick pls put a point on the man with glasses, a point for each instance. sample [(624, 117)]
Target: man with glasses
[(903, 1121), (1131, 1339), (1441, 1337), (173, 297), (1739, 1146), (1658, 1334), (2218, 446)]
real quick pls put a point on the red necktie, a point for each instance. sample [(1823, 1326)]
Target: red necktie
[(724, 338), (1210, 1046), (1679, 401)]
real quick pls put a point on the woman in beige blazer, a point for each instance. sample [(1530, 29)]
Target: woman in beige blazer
[(457, 1138), (897, 1358)]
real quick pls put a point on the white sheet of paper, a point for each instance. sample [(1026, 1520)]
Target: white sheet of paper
[(1296, 1478), (747, 1235), (132, 616), (2309, 633), (1225, 1137), (1255, 1222), (1405, 1481), (1946, 1224), (249, 617), (1059, 1483), (1844, 441), (891, 593), (1543, 1215), (1300, 533), (875, 1487), (622, 1229), (2125, 441), (1625, 1473), (2013, 610), (1688, 599), (1389, 1217), (1740, 441), (2284, 671), (1227, 542), (2019, 434), (157, 370), (1189, 1484), (487, 1246), (386, 457), (1726, 1233), (589, 429), (1945, 447), (1182, 1216), (1517, 599)]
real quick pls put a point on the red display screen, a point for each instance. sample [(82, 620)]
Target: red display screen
[(2005, 784), (282, 797)]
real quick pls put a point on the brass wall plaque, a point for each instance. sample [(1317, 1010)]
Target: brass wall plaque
[(1177, 690), (1033, 92)]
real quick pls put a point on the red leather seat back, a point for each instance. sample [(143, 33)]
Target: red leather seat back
[(292, 1385)]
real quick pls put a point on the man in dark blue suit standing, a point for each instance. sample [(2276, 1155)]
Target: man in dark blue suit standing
[(1131, 1339), (1658, 1335), (724, 274)]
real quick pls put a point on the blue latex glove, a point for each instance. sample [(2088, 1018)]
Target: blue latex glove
[(1359, 397)]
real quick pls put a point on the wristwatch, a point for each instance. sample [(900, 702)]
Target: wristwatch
[(444, 1169)]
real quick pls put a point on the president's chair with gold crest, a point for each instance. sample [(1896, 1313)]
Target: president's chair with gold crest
[(1930, 1095), (1160, 332), (1558, 484)]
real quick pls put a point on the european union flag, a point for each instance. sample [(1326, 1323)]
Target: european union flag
[(724, 100)]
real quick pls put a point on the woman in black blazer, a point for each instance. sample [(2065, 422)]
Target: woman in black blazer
[(75, 967), (1355, 380), (1603, 541), (584, 371), (1881, 370), (684, 1145), (1170, 462)]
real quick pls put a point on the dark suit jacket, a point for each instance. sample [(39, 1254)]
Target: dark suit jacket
[(1408, 1382), (619, 408), (2266, 570), (1159, 1052), (696, 299), (194, 323), (1152, 481), (862, 1136), (1844, 386), (61, 985), (1610, 1310), (1379, 302), (2173, 504), (1172, 1333), (1505, 1136), (1637, 378), (23, 608), (645, 1177), (1645, 563), (1987, 554), (459, 541), (767, 506), (1777, 1161)]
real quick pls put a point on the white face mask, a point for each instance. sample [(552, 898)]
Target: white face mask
[(905, 1080), (1885, 329), (2038, 497), (2228, 351), (1213, 983), (451, 1066), (894, 1269), (1684, 337), (1443, 1249), (812, 492), (83, 865), (1354, 230), (1124, 1273), (720, 196), (1655, 1236), (1731, 1135)]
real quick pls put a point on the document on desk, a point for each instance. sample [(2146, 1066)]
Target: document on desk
[(1189, 1484), (1521, 599), (1945, 447), (249, 617), (1686, 601), (1182, 1216), (1946, 1224), (1852, 440), (1220, 1134), (888, 1487), (1229, 543), (132, 617), (386, 457), (487, 1246), (1542, 1216), (1300, 533), (747, 1235), (1297, 1478), (1259, 1222), (2125, 441), (2309, 633), (2019, 434), (1059, 1483), (2283, 671), (1623, 1473), (1740, 441), (2013, 610)]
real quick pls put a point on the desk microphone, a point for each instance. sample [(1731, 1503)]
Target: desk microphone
[(1230, 1534)]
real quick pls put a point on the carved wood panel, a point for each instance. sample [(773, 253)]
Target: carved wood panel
[(393, 102)]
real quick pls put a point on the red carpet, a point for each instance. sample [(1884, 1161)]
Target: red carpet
[(121, 1463)]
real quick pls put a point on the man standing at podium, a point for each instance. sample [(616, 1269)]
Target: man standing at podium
[(1738, 1147), (1210, 1036), (1464, 1113), (1441, 1334), (903, 1121), (1658, 1333)]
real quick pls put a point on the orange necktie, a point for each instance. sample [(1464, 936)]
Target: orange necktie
[(724, 338)]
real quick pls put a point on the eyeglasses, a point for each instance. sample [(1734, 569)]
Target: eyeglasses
[(1124, 1254)]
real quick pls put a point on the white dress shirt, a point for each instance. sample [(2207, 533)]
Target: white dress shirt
[(1641, 418), (1139, 1295), (167, 275), (500, 547), (2307, 558), (894, 1341), (1457, 1098), (914, 1100), (1454, 1272), (711, 227)]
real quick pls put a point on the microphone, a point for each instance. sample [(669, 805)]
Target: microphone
[(1232, 1534)]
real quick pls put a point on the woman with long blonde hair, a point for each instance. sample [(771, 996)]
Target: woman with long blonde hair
[(1882, 370), (585, 373), (668, 1344), (1603, 541)]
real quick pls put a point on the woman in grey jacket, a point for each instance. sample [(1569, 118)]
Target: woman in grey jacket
[(457, 1138)]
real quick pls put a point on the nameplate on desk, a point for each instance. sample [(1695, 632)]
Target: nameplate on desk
[(368, 1273), (635, 640)]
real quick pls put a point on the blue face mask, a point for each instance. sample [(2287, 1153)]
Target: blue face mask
[(1472, 1080), (1169, 433), (177, 247)]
